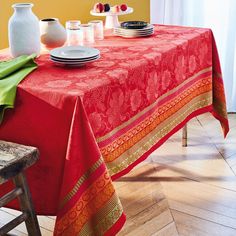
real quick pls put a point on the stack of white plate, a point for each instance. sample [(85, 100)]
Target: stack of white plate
[(134, 33), (74, 55)]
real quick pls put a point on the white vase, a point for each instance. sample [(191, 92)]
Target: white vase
[(23, 30), (53, 34)]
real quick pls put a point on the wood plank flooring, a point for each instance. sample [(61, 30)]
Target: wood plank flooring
[(176, 191)]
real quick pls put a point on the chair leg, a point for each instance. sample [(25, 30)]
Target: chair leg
[(26, 204), (185, 136)]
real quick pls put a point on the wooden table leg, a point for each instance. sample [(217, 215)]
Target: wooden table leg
[(185, 136), (27, 205)]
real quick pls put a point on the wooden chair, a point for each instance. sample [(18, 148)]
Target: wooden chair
[(14, 159)]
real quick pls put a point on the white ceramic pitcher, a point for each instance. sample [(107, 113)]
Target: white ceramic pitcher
[(23, 31)]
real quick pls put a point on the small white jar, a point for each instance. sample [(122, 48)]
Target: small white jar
[(53, 34)]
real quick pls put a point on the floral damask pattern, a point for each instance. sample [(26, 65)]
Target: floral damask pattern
[(192, 64), (128, 78), (135, 99)]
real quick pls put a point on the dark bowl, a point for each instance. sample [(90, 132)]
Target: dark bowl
[(134, 24)]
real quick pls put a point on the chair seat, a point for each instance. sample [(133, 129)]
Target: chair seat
[(14, 158)]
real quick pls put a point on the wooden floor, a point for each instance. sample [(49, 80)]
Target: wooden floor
[(177, 191)]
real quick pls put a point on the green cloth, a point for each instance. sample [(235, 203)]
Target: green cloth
[(11, 74)]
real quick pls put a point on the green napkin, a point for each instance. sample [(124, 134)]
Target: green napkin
[(11, 74)]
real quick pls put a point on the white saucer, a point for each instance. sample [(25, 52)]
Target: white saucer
[(74, 60), (149, 27), (74, 52), (133, 32), (134, 35)]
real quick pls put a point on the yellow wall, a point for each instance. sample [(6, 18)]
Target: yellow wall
[(68, 10)]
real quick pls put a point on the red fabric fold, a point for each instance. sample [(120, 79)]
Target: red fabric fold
[(93, 124)]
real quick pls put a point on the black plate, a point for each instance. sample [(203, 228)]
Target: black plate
[(134, 24)]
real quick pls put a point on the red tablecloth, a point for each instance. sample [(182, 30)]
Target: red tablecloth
[(95, 123)]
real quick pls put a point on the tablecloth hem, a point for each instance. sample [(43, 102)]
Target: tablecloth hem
[(158, 144), (117, 226), (224, 122)]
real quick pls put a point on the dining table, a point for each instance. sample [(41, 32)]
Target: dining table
[(93, 124)]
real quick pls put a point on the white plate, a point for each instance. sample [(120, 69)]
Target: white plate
[(74, 52), (138, 35), (133, 33), (74, 60), (149, 26), (109, 13), (133, 36)]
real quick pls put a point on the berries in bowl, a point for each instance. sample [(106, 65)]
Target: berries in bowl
[(101, 8), (111, 13)]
